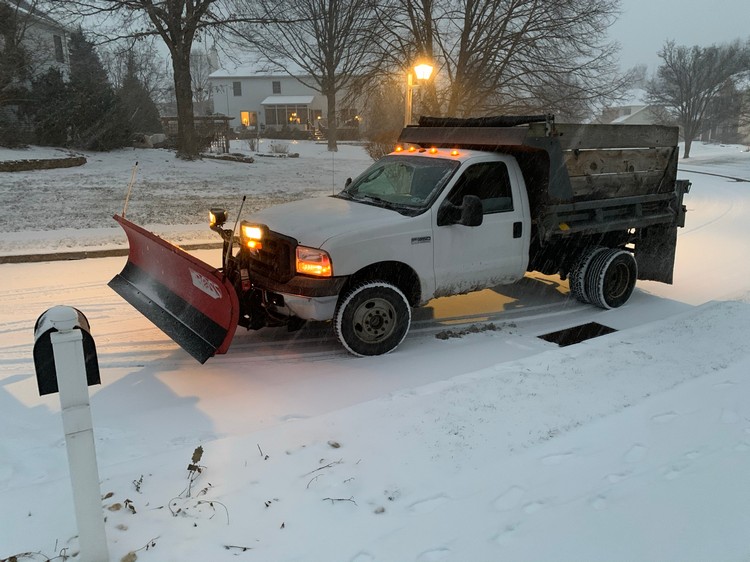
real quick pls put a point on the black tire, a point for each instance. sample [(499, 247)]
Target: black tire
[(577, 275), (372, 318), (611, 278)]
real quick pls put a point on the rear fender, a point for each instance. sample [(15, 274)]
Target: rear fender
[(190, 301)]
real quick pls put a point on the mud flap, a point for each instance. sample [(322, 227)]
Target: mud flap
[(185, 298), (655, 253)]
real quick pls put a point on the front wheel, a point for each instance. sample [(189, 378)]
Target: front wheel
[(372, 318)]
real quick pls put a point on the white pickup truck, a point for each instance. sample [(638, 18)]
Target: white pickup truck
[(459, 206)]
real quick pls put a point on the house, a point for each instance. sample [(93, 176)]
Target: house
[(634, 110), (45, 40), (730, 127), (265, 101), (38, 43), (727, 120), (262, 100)]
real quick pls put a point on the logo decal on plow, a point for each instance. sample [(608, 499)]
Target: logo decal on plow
[(206, 285)]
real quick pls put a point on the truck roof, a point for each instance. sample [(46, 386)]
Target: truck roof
[(457, 154)]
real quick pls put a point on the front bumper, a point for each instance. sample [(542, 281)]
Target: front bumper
[(306, 297), (311, 308)]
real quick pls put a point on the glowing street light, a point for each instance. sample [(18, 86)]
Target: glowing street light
[(422, 71)]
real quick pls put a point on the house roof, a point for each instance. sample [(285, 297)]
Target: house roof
[(30, 9), (257, 69), (636, 111), (287, 100)]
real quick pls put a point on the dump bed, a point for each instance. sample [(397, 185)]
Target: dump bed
[(580, 178)]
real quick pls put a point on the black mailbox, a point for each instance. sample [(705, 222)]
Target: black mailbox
[(44, 358)]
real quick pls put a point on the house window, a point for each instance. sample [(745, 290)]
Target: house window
[(276, 85), (59, 56), (281, 115), (249, 119), (237, 88)]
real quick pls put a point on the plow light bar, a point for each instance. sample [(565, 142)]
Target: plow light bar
[(217, 217)]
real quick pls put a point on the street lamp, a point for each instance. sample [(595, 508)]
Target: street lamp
[(422, 71)]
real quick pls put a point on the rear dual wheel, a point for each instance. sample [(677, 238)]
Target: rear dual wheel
[(577, 275), (604, 277)]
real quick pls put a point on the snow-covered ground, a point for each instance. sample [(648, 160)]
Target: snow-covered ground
[(169, 196), (495, 445)]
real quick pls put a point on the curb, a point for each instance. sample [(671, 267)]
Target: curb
[(86, 254), (41, 164)]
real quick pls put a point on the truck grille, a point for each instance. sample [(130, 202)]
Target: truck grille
[(276, 259)]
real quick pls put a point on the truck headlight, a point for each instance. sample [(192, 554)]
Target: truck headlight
[(311, 261), (251, 235)]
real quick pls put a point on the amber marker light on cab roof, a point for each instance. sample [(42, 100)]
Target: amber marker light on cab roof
[(454, 152), (433, 150), (399, 148)]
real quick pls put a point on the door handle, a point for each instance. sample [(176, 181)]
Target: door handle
[(517, 229)]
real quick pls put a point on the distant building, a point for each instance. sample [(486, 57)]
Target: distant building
[(265, 101), (632, 111), (44, 45), (724, 122), (261, 100), (44, 39), (732, 106)]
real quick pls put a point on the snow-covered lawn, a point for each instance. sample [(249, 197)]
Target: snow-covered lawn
[(496, 445)]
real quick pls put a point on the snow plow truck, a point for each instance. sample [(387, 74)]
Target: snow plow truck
[(460, 205)]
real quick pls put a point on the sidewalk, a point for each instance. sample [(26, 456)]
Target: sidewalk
[(85, 254)]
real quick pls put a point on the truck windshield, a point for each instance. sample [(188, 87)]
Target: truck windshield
[(401, 182)]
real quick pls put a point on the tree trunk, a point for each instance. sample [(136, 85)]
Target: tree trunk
[(332, 126), (187, 142), (688, 144)]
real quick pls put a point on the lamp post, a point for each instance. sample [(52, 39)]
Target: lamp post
[(421, 71)]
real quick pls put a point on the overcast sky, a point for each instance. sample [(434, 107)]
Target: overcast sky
[(645, 24)]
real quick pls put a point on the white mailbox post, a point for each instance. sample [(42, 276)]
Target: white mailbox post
[(65, 361)]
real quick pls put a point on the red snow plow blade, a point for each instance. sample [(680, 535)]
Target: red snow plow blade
[(187, 299)]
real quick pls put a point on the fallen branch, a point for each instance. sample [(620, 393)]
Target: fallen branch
[(329, 465), (241, 548), (333, 500), (211, 503), (314, 478)]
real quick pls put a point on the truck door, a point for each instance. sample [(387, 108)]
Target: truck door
[(468, 258)]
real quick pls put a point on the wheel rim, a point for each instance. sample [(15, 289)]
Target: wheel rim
[(374, 320), (617, 281)]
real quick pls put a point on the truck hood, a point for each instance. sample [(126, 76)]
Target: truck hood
[(314, 221)]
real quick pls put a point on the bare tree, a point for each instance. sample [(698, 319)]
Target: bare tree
[(689, 80), (201, 67), (140, 56), (179, 23), (332, 42), (511, 56)]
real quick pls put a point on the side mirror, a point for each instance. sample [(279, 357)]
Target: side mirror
[(347, 183), (470, 213)]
